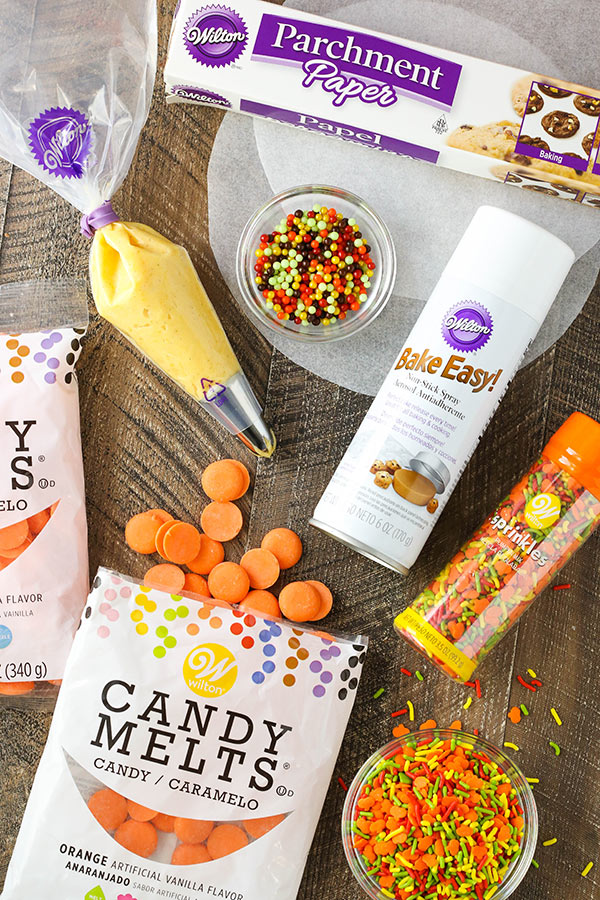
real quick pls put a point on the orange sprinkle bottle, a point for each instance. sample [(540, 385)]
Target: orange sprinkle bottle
[(494, 577)]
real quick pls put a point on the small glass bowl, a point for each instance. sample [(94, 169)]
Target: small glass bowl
[(374, 231), (518, 867)]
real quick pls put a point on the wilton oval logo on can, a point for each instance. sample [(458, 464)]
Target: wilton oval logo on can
[(210, 670), (542, 511), (467, 326), (215, 36)]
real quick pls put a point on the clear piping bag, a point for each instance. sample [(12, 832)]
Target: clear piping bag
[(75, 88)]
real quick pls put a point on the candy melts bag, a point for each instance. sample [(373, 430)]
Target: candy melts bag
[(75, 89), (189, 754), (43, 533)]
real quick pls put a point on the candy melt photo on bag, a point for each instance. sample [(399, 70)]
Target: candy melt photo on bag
[(189, 754), (43, 532)]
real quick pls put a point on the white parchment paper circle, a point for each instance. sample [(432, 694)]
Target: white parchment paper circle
[(426, 208)]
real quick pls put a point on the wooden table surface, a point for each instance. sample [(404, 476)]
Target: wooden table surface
[(145, 444)]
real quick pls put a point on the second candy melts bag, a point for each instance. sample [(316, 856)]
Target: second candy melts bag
[(191, 750)]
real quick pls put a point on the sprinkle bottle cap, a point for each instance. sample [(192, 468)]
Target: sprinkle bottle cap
[(575, 447)]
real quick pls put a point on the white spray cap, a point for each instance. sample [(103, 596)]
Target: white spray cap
[(513, 258)]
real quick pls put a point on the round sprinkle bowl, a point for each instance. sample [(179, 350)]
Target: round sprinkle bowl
[(449, 816), (317, 319)]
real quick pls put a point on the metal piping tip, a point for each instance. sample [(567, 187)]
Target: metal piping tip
[(259, 439)]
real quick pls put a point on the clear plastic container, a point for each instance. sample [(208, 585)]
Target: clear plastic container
[(374, 231), (518, 867)]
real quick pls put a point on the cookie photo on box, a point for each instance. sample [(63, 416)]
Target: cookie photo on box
[(540, 186), (558, 126)]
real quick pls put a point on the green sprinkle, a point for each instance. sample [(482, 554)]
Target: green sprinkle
[(378, 693), (418, 675), (555, 747), (535, 863), (524, 709)]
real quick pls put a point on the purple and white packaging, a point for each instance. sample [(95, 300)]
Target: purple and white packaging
[(392, 95)]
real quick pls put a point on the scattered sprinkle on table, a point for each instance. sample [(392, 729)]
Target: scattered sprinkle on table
[(522, 681), (587, 869), (418, 675), (406, 672), (549, 842), (478, 687), (342, 784), (531, 673), (524, 709), (467, 702), (535, 863), (561, 587), (314, 267), (555, 747), (399, 712), (378, 693), (411, 711), (533, 780), (555, 716), (510, 745)]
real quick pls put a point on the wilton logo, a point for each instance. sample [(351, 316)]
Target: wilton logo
[(542, 511), (215, 36), (60, 140), (210, 670), (467, 326)]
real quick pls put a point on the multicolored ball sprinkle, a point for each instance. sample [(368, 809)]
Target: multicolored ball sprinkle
[(314, 268)]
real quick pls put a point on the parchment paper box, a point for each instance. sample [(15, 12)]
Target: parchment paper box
[(395, 96)]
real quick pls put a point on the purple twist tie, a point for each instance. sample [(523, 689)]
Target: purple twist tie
[(98, 218)]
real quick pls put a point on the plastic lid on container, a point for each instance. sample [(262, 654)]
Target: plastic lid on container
[(513, 258), (575, 447)]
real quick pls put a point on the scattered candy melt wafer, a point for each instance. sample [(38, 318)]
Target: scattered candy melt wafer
[(299, 601), (221, 521), (211, 553), (326, 598), (225, 480), (140, 813), (140, 531), (229, 582), (196, 584), (262, 567), (263, 602), (284, 544), (181, 543)]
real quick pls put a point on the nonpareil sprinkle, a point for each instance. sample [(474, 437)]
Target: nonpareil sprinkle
[(443, 817), (314, 268)]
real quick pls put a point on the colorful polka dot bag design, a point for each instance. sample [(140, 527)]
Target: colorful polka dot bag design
[(191, 750), (43, 533)]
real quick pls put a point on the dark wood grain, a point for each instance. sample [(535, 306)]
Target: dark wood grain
[(146, 443)]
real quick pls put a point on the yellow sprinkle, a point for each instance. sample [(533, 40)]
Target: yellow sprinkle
[(468, 703), (587, 869), (550, 842), (556, 716), (533, 780), (511, 746), (491, 892), (531, 673), (405, 863), (387, 893), (411, 711)]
